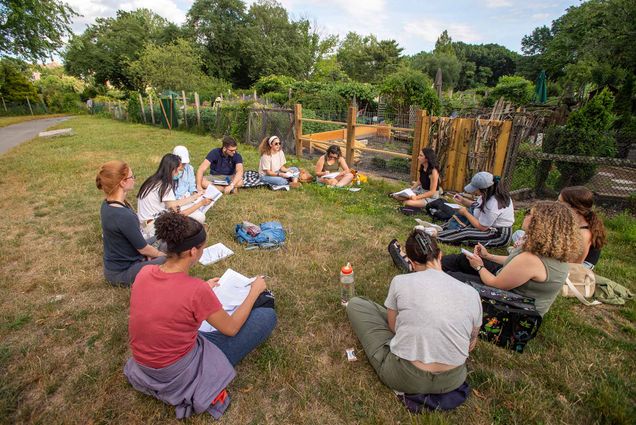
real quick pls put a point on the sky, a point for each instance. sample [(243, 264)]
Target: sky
[(415, 25)]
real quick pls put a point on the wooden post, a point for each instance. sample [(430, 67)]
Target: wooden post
[(30, 108), (4, 104), (143, 111), (196, 104), (185, 107), (464, 133), (152, 108), (417, 137), (502, 148), (298, 124), (351, 134), (163, 110)]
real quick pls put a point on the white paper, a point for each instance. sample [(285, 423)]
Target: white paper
[(355, 189), (232, 290), (456, 206), (280, 187), (212, 193), (330, 175), (406, 193), (214, 253), (467, 252), (220, 182), (291, 174)]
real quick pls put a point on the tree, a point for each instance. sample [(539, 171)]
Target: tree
[(106, 49), (175, 66), (329, 70), (444, 44), (407, 87), (429, 63), (366, 59), (491, 61), (33, 29), (515, 89), (217, 27), (14, 85)]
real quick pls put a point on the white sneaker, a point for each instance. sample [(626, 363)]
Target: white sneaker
[(427, 224)]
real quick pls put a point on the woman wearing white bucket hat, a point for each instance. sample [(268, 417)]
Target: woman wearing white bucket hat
[(489, 219)]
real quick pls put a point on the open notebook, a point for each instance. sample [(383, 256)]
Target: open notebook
[(232, 290)]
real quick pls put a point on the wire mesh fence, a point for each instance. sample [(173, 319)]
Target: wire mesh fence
[(264, 123)]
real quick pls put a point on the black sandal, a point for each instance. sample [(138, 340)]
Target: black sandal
[(396, 255)]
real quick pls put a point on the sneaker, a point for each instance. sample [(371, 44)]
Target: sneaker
[(427, 224), (396, 255), (432, 232)]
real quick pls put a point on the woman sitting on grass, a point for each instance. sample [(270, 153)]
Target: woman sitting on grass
[(489, 219), (125, 249), (171, 360), (427, 188), (331, 162), (408, 356), (537, 268), (272, 164), (157, 195)]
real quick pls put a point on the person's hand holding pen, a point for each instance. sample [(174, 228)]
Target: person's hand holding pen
[(258, 285), (214, 282)]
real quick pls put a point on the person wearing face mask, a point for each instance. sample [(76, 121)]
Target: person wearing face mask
[(224, 163), (272, 164), (187, 183), (126, 250), (156, 195)]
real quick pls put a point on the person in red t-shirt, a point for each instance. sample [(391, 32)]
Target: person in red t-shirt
[(167, 307)]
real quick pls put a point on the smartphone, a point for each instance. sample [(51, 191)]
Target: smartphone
[(467, 253)]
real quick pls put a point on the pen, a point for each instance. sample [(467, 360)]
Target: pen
[(250, 282)]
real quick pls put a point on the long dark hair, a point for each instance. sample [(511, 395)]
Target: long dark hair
[(497, 190), (431, 156), (581, 200), (162, 177), (333, 150)]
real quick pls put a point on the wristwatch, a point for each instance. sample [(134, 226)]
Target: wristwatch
[(479, 268)]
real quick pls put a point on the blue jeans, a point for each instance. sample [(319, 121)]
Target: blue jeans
[(256, 329), (277, 180)]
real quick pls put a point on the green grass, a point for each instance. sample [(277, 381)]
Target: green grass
[(5, 121), (63, 329)]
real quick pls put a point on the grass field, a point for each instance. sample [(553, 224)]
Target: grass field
[(5, 121), (63, 329)]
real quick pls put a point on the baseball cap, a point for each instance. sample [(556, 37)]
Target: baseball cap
[(481, 180), (182, 152)]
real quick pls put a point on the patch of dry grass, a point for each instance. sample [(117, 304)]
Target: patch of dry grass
[(63, 330)]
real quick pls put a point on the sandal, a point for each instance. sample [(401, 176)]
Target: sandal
[(396, 255)]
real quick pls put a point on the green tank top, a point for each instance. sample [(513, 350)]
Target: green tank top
[(331, 168), (544, 293)]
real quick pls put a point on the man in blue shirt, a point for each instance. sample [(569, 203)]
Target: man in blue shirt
[(225, 164)]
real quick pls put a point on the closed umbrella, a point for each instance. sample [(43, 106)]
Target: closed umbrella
[(541, 90), (438, 83)]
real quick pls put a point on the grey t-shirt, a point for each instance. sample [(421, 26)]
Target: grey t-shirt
[(436, 316), (122, 238)]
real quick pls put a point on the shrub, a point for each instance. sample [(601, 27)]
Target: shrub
[(273, 83), (515, 89), (399, 165), (378, 162), (408, 87)]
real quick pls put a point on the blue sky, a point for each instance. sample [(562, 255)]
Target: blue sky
[(414, 24)]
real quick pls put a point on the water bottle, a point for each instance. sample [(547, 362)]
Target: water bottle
[(347, 288)]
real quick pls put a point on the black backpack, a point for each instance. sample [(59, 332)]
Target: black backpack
[(439, 210), (509, 320)]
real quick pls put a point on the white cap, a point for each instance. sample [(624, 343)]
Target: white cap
[(182, 152)]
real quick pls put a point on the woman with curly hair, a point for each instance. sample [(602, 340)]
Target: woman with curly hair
[(171, 360), (536, 269), (272, 168), (581, 200)]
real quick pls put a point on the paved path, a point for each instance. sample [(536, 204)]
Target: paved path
[(15, 134)]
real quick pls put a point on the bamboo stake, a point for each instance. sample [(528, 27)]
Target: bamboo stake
[(185, 107), (298, 114), (152, 108), (31, 109), (4, 104), (143, 111), (196, 103), (164, 114)]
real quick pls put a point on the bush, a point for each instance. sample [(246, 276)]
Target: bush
[(399, 165), (408, 87), (515, 89), (273, 83), (378, 162)]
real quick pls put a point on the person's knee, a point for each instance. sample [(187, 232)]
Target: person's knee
[(356, 304), (266, 319)]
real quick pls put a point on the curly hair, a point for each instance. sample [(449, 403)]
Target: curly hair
[(553, 232), (581, 200), (265, 147), (173, 228)]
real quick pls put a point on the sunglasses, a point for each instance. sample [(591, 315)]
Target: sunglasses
[(333, 156), (276, 144)]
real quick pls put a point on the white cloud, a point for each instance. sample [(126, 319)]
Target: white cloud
[(165, 8), (498, 3), (429, 30), (541, 16)]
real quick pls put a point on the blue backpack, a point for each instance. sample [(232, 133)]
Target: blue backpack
[(272, 236)]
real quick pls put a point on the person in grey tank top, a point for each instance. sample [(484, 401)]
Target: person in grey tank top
[(539, 267)]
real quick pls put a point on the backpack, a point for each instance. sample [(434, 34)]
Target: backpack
[(439, 210), (509, 320), (272, 235)]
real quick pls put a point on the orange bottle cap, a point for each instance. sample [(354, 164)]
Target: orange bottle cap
[(347, 269)]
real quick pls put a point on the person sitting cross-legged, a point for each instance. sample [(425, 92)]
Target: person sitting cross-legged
[(331, 163), (225, 164), (419, 341)]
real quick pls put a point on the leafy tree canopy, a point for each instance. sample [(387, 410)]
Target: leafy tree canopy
[(33, 29), (366, 59), (407, 87)]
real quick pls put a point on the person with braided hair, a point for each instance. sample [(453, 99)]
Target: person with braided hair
[(419, 341), (171, 359), (125, 249), (581, 200)]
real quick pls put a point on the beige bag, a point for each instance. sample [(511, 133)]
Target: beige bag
[(580, 283)]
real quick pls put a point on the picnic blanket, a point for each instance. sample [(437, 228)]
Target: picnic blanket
[(251, 178)]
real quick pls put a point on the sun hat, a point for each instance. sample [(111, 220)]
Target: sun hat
[(481, 180), (182, 152)]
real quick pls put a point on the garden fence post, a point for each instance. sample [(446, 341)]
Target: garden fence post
[(46, 111), (420, 116), (4, 104), (31, 109), (196, 104), (185, 107), (351, 134), (298, 124), (143, 110), (152, 109)]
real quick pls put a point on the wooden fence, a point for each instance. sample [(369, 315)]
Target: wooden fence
[(464, 145)]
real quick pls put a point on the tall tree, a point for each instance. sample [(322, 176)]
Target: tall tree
[(33, 29), (444, 44), (429, 63), (217, 26), (366, 59), (491, 61), (105, 49)]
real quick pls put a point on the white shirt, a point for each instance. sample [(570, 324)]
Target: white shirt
[(493, 216), (271, 162), (151, 206)]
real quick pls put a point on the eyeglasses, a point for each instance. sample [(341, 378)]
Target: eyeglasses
[(131, 177), (231, 150), (276, 144)]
